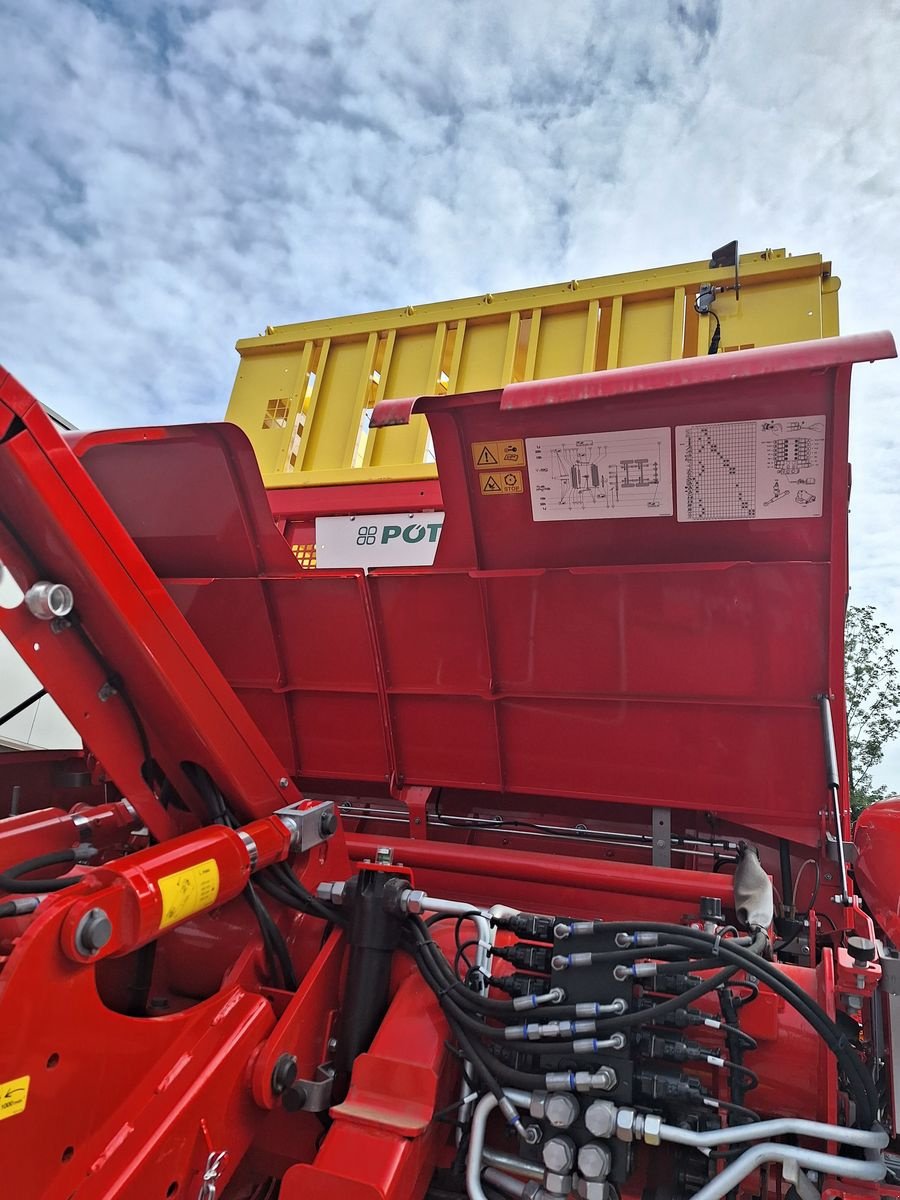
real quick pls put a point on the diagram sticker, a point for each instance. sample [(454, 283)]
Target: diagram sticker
[(750, 470), (592, 476)]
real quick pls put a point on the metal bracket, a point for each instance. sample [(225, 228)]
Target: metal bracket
[(662, 837), (316, 1092), (310, 822), (805, 1187), (832, 851)]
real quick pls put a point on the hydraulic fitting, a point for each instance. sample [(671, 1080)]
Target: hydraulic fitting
[(558, 1154), (594, 1160), (559, 1109), (600, 1118)]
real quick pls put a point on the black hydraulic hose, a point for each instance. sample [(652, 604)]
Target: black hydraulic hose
[(11, 879), (858, 1076)]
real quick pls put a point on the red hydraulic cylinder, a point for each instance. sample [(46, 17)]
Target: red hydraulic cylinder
[(30, 834), (127, 903)]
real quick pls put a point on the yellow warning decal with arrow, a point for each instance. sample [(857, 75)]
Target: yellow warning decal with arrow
[(501, 483), (13, 1096), (487, 455)]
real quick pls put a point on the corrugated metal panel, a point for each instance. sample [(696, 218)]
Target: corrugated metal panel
[(304, 393)]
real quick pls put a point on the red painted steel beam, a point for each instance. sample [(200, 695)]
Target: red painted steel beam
[(826, 354), (532, 867)]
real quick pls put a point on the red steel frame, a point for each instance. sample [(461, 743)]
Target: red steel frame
[(216, 636)]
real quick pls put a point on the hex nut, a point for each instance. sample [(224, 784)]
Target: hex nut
[(605, 1079), (558, 1154), (561, 1110), (652, 1128), (414, 900), (600, 1118), (625, 1124), (593, 1189), (594, 1160)]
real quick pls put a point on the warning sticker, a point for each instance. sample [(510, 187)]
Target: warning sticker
[(501, 483), (486, 455), (13, 1096), (187, 892)]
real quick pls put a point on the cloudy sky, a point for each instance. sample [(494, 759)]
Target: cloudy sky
[(178, 175)]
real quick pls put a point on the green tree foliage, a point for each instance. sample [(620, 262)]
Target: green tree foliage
[(873, 699)]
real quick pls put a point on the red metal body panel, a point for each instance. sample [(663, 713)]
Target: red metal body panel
[(581, 671)]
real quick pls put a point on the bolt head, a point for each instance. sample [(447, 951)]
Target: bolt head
[(284, 782), (558, 1154), (600, 1119), (93, 932), (561, 1110), (594, 1160)]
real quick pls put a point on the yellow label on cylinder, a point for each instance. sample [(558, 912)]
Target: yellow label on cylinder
[(189, 891)]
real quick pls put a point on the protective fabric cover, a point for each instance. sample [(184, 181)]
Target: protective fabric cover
[(754, 901)]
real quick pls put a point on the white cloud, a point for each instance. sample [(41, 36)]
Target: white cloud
[(176, 177)]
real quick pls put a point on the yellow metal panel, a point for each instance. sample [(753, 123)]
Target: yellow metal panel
[(303, 392), (646, 332), (483, 352), (265, 400), (413, 371), (560, 349), (330, 421)]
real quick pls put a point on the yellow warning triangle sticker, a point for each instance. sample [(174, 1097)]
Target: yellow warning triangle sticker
[(487, 458), (490, 485)]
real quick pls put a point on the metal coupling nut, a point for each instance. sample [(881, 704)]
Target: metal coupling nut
[(625, 1124), (593, 1189), (652, 1127), (556, 1184), (332, 893), (604, 1080), (47, 601), (413, 901)]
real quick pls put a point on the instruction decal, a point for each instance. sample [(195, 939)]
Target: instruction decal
[(187, 892), (13, 1096), (501, 483), (750, 470), (596, 476), (487, 455)]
